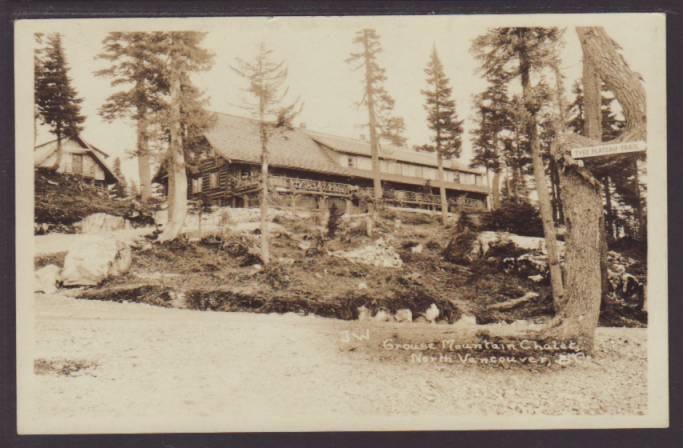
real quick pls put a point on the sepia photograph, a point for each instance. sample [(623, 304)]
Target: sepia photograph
[(258, 224)]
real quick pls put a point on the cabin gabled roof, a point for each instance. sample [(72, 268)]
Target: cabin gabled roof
[(237, 138), (43, 152)]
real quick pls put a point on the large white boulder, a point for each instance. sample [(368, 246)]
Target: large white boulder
[(380, 254), (90, 263), (102, 222), (46, 279)]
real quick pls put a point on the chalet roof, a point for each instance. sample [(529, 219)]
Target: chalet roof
[(238, 138), (387, 152), (80, 141), (43, 152)]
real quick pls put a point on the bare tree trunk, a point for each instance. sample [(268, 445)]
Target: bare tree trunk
[(144, 169), (544, 206), (60, 150), (495, 190), (592, 124), (265, 231), (177, 176), (442, 190), (592, 128)]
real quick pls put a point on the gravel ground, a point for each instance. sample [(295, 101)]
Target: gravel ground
[(104, 366)]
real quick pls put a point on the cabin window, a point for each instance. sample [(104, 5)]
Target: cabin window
[(197, 185), (213, 180), (349, 162), (77, 164)]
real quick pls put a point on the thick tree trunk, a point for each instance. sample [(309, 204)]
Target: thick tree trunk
[(581, 192), (177, 176), (592, 123), (544, 206), (442, 190), (583, 248), (592, 128)]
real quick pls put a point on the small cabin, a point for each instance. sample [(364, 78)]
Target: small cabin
[(79, 158)]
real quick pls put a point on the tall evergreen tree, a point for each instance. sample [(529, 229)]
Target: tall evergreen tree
[(514, 53), (56, 99), (382, 124), (137, 69), (266, 82), (442, 120), (494, 118), (183, 55)]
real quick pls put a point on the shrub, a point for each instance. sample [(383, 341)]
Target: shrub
[(520, 218)]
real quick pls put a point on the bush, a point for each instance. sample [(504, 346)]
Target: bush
[(459, 249), (520, 218)]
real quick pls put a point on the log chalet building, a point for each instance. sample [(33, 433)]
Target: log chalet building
[(313, 170)]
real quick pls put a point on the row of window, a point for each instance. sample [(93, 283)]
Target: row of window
[(406, 169)]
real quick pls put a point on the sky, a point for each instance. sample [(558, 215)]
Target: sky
[(315, 49)]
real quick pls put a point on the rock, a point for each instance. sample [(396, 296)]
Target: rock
[(90, 263), (404, 315), (417, 249), (467, 320), (432, 313), (363, 313), (420, 319), (538, 278), (46, 279), (380, 254), (362, 285), (102, 222), (382, 316)]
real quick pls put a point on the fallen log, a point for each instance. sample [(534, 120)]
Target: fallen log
[(514, 302)]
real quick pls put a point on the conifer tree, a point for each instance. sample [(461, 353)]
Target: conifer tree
[(511, 53), (183, 55), (56, 99), (382, 124), (266, 82), (442, 120), (488, 140), (137, 69)]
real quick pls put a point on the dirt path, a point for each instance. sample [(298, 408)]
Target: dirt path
[(233, 370)]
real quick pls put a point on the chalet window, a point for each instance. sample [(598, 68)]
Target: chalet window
[(77, 164), (349, 162), (213, 180), (197, 185)]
